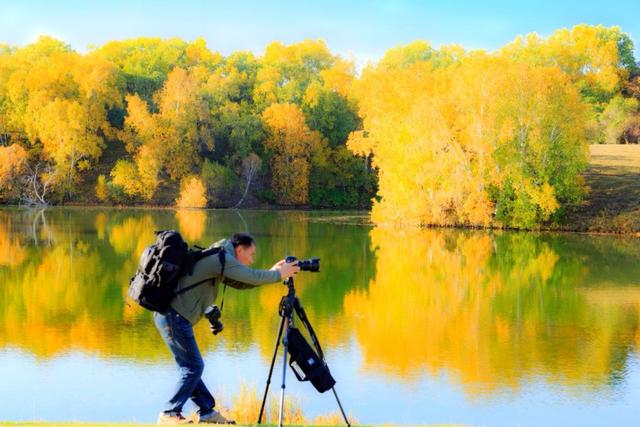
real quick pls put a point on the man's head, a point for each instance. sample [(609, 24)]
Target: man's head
[(244, 247)]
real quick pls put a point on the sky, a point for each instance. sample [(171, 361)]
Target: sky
[(362, 30)]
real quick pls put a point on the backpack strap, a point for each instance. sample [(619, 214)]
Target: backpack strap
[(188, 288), (221, 257)]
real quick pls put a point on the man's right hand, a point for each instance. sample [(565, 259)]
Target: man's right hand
[(286, 269)]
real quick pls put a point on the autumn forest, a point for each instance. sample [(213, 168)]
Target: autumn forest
[(425, 136)]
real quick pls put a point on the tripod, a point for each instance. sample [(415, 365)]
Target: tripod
[(288, 304)]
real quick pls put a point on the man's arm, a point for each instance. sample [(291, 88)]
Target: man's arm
[(239, 276)]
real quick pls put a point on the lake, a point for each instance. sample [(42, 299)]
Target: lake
[(419, 326)]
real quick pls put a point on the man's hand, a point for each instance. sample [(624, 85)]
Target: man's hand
[(277, 264), (286, 269)]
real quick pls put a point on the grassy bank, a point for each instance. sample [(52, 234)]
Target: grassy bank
[(79, 424), (76, 424), (613, 202)]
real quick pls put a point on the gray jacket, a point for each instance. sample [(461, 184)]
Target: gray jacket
[(192, 303)]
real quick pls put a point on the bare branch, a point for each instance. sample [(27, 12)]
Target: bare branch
[(250, 166)]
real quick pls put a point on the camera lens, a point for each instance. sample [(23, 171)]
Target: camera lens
[(312, 265)]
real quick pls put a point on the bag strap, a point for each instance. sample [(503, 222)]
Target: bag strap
[(222, 258), (305, 321)]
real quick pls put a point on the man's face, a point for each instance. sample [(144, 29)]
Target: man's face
[(245, 254)]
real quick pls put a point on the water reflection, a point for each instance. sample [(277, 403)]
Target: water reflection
[(64, 286), (491, 310)]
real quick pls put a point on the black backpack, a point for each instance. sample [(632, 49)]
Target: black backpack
[(161, 266)]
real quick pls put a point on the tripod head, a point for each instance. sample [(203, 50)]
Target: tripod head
[(288, 301)]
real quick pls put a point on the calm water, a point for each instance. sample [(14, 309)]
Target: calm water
[(418, 326)]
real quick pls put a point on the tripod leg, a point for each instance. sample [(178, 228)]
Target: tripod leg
[(284, 371), (340, 405), (303, 317), (273, 360)]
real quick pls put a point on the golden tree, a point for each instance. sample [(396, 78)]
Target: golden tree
[(483, 140), (171, 138), (193, 193), (13, 161), (61, 99), (291, 144)]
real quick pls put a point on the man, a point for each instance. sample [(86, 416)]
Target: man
[(187, 308)]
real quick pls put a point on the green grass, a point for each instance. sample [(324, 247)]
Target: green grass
[(80, 424), (76, 424)]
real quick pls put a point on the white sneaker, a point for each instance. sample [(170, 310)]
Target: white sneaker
[(215, 417), (165, 418)]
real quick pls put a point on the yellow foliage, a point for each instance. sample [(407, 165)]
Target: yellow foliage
[(587, 53), (287, 71), (125, 175), (60, 99), (148, 165), (101, 188), (545, 198), (443, 136), (13, 161), (339, 77), (193, 193), (171, 137), (402, 56), (140, 124), (292, 144)]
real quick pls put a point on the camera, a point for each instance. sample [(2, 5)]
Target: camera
[(213, 313), (311, 264)]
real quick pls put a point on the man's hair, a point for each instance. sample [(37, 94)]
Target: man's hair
[(242, 239)]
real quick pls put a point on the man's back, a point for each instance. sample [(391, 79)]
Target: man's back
[(192, 303)]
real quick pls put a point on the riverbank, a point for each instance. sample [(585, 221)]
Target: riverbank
[(81, 424), (611, 206), (71, 424)]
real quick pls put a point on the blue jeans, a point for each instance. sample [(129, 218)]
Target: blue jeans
[(177, 332)]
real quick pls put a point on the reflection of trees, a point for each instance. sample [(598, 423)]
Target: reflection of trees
[(69, 290), (254, 319), (491, 310), (68, 294), (12, 252), (191, 223)]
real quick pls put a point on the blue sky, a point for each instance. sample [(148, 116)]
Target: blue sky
[(359, 28)]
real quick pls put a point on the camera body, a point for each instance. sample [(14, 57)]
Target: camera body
[(213, 314), (311, 264)]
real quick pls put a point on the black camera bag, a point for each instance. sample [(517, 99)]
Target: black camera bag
[(306, 364)]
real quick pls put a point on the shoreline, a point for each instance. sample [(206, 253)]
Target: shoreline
[(355, 212), (610, 208)]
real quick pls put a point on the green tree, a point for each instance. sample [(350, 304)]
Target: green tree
[(220, 182)]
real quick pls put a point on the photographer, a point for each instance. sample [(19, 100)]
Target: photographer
[(187, 308)]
